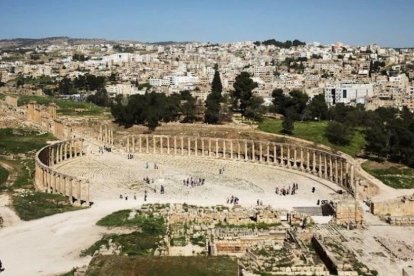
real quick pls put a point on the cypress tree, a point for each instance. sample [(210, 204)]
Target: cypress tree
[(212, 113)]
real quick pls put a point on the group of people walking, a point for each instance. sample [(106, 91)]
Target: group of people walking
[(192, 182), (103, 149), (290, 190), (233, 200)]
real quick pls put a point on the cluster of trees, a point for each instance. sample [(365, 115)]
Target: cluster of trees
[(152, 108), (389, 132), (243, 99), (79, 57), (85, 82), (281, 44)]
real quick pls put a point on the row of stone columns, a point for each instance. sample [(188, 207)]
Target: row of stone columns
[(106, 135), (49, 180), (65, 150), (320, 163)]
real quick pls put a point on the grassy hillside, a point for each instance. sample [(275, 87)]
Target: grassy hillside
[(65, 107), (315, 132)]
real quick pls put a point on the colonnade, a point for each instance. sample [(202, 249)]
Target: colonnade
[(323, 164), (106, 135), (47, 179)]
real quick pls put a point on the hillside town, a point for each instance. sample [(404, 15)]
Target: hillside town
[(371, 75)]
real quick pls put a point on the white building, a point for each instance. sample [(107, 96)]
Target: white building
[(125, 89), (347, 93)]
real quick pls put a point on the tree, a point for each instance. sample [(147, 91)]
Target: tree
[(100, 98), (338, 133), (317, 108), (279, 101), (243, 92), (255, 108), (188, 106), (378, 140), (212, 112), (288, 125)]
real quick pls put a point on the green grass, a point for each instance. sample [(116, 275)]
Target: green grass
[(34, 205), (25, 177), (152, 225), (315, 132), (144, 241), (4, 174), (394, 175), (65, 107), (22, 140), (162, 266), (132, 244)]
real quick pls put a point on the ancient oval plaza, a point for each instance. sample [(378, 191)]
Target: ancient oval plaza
[(209, 191)]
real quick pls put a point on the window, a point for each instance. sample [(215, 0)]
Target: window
[(344, 94)]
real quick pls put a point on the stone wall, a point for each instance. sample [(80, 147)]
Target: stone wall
[(397, 207), (323, 164)]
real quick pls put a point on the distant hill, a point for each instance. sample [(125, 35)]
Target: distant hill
[(64, 40), (60, 40)]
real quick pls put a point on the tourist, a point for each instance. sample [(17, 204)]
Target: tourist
[(1, 267), (313, 189), (135, 196), (120, 196)]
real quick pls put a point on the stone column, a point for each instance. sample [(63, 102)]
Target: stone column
[(202, 147), (161, 145), (330, 168), (196, 146), (154, 143), (325, 165), (217, 150), (54, 182), (253, 152), (182, 145), (140, 143), (267, 153), (188, 145), (295, 157), (175, 145), (224, 148), (288, 155), (71, 190), (133, 144), (302, 159), (245, 151), (261, 152), (307, 160), (238, 149), (231, 149), (51, 153), (336, 170), (320, 165), (313, 161), (282, 157), (168, 144), (275, 154), (209, 147), (147, 142)]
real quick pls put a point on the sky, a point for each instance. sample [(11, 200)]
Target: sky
[(356, 22)]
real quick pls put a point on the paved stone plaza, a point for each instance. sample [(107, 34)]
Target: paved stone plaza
[(113, 174)]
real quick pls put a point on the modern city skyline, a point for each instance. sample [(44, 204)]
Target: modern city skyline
[(354, 22)]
